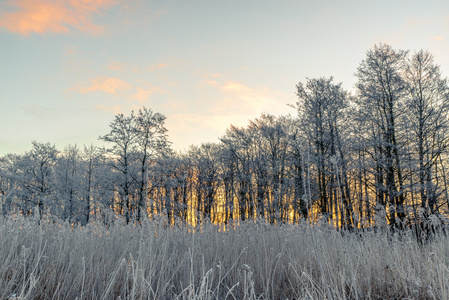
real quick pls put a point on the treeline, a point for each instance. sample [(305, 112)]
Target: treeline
[(353, 160)]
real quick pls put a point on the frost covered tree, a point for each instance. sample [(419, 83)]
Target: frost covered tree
[(271, 160), (123, 137), (427, 105), (135, 139), (151, 143), (9, 181), (35, 175), (239, 143), (67, 177), (381, 90), (321, 109), (92, 162), (205, 160)]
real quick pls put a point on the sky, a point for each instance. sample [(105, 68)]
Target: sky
[(67, 67)]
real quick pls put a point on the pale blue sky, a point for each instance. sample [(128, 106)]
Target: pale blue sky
[(68, 66)]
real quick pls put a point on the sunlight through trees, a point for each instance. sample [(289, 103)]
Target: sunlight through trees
[(349, 160)]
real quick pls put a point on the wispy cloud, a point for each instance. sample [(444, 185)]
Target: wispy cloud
[(143, 95), (105, 84), (209, 82), (227, 97), (225, 102), (57, 16), (240, 98), (438, 38)]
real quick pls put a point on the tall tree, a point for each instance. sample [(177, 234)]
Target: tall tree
[(91, 158), (427, 113), (206, 169), (320, 108), (151, 142), (381, 100), (273, 144), (8, 181), (36, 173), (123, 137), (240, 144), (67, 181), (136, 140)]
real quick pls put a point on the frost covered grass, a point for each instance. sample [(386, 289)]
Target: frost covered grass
[(53, 260)]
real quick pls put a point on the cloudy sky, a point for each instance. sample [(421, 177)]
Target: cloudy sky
[(68, 66)]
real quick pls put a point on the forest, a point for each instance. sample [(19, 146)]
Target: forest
[(348, 199), (353, 160)]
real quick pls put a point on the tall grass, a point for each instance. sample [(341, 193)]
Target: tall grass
[(51, 259)]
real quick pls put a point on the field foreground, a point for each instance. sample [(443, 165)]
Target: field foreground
[(54, 260)]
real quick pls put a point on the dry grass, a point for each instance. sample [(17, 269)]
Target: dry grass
[(51, 260)]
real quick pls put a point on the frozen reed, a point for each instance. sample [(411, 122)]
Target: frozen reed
[(51, 259)]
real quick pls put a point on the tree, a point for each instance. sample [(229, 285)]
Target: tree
[(300, 204), (239, 143), (381, 101), (321, 108), (427, 103), (123, 136), (136, 139), (35, 174), (272, 149), (67, 181), (151, 142), (8, 181), (91, 158)]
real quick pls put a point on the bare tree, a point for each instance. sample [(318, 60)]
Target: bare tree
[(67, 181), (381, 100), (427, 114), (151, 142), (36, 169), (320, 108), (136, 140), (91, 158), (123, 137)]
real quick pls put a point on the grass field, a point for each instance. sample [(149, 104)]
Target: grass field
[(53, 260)]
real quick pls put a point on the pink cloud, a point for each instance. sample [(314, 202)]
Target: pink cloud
[(143, 95), (58, 16), (105, 84)]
